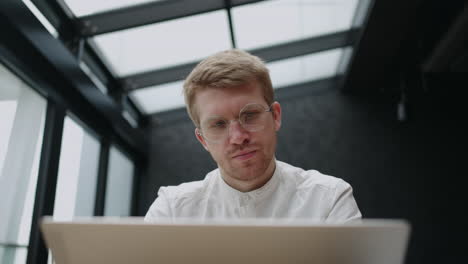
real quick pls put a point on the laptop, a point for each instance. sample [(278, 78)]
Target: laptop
[(131, 240)]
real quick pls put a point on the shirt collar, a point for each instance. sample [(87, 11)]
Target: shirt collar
[(267, 188)]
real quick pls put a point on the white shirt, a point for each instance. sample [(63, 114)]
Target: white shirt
[(290, 193)]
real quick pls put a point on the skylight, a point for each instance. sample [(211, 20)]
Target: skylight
[(268, 23), (305, 68), (258, 25), (159, 98), (165, 44), (88, 7)]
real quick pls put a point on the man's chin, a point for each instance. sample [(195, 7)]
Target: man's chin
[(248, 171)]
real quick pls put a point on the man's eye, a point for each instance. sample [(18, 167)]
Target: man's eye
[(250, 115), (219, 124)]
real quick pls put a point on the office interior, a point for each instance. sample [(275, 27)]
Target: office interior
[(93, 120)]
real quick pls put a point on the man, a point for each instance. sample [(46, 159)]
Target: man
[(229, 97)]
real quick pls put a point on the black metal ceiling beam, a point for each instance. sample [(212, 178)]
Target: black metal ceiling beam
[(156, 77), (52, 10), (269, 54), (68, 32), (50, 60), (307, 46), (228, 6), (149, 13)]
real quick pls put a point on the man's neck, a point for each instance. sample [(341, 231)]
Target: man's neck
[(256, 183)]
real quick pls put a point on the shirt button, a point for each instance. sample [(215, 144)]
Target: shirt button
[(244, 200)]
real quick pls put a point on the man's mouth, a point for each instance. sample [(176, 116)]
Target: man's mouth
[(245, 155)]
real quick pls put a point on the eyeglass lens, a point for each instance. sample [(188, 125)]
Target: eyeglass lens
[(251, 118)]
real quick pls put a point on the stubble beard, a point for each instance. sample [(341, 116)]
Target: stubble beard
[(249, 170)]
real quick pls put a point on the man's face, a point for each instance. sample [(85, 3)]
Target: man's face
[(242, 155)]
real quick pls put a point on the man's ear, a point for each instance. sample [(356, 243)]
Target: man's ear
[(276, 109), (201, 139)]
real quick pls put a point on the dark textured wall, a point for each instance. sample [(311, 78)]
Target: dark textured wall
[(397, 169)]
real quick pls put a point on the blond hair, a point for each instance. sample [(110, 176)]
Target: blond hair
[(228, 68)]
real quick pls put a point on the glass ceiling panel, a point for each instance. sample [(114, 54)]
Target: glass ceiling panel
[(159, 98), (277, 21), (283, 73), (165, 44), (88, 7), (305, 68)]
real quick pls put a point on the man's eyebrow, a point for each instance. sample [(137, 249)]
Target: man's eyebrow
[(214, 117)]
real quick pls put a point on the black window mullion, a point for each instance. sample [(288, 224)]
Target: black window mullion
[(102, 178), (138, 172), (47, 180)]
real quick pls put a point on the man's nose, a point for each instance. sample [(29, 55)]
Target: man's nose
[(237, 133)]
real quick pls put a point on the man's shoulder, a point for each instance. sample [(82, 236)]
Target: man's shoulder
[(306, 179), (182, 190), (191, 190)]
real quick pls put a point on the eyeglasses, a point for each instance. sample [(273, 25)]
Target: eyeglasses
[(252, 117)]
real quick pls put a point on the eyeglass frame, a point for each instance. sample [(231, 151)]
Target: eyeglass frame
[(238, 119)]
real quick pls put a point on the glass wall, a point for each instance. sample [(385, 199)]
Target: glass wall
[(119, 186), (77, 174), (22, 114)]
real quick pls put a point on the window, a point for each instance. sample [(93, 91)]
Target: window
[(88, 7), (159, 98), (165, 44), (306, 68), (22, 112), (269, 23), (119, 184), (77, 174)]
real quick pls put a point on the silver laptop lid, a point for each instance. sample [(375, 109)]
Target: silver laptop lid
[(131, 240)]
